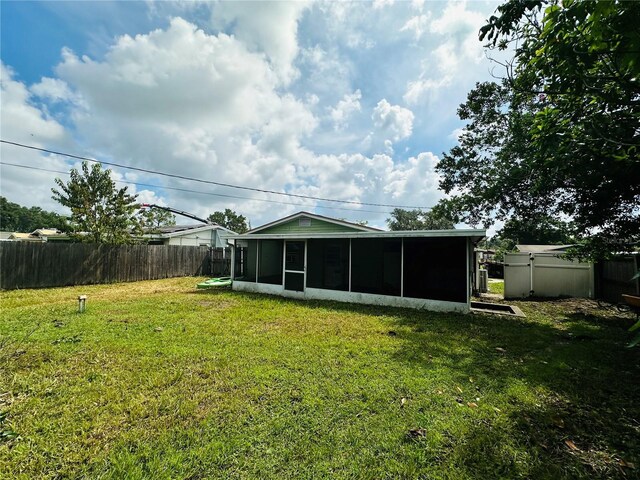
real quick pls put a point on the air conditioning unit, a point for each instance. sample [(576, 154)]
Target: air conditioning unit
[(483, 280)]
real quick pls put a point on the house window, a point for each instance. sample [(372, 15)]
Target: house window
[(304, 222)]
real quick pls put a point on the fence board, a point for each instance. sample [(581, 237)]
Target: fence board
[(38, 265)]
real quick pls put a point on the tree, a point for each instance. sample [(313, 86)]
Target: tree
[(418, 220), (560, 135), (231, 220), (540, 230), (16, 218), (151, 219), (100, 213)]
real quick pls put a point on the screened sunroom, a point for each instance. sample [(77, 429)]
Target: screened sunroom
[(301, 257)]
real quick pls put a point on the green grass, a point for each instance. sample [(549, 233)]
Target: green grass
[(496, 286), (158, 380)]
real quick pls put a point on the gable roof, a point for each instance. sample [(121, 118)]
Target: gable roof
[(335, 221)]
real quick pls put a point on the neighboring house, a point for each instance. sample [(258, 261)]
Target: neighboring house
[(314, 257), (559, 249), (190, 235), (40, 235)]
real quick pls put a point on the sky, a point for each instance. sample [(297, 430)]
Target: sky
[(349, 101)]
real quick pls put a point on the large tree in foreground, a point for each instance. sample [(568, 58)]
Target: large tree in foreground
[(100, 212), (560, 135)]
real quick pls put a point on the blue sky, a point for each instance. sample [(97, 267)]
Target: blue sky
[(349, 101)]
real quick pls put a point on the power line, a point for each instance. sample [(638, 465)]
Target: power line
[(199, 192), (211, 182)]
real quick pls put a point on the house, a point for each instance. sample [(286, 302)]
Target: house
[(558, 249), (40, 235), (210, 235), (315, 257)]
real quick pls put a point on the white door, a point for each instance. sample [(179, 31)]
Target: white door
[(517, 275)]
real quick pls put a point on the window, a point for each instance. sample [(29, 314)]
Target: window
[(375, 265), (328, 264), (304, 222)]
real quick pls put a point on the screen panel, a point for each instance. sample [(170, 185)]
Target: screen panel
[(328, 264), (270, 261), (375, 265), (436, 268)]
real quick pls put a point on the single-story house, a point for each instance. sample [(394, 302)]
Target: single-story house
[(40, 235), (315, 257), (558, 249), (210, 235)]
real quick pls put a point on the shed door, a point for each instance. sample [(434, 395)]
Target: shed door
[(294, 265)]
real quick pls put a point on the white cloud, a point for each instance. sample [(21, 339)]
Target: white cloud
[(54, 90), (269, 27), (22, 121), (378, 4), (393, 120), (457, 56), (418, 25), (349, 104)]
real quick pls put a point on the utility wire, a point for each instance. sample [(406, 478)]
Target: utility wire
[(28, 167), (211, 182)]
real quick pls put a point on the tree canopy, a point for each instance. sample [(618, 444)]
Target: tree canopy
[(231, 220), (100, 213), (560, 134), (418, 220), (151, 219), (16, 218)]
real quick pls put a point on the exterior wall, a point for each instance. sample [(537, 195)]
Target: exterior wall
[(193, 239), (546, 275), (353, 297), (317, 226), (457, 303)]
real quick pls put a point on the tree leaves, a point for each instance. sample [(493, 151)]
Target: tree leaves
[(100, 213), (560, 134)]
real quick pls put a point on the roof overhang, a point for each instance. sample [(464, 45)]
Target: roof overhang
[(473, 234)]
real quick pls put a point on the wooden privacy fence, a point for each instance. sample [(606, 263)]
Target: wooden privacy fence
[(613, 278), (37, 265)]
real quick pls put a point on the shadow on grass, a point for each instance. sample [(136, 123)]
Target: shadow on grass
[(583, 421), (588, 382)]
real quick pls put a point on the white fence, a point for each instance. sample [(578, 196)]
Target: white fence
[(546, 275)]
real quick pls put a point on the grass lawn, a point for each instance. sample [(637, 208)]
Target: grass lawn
[(496, 286), (158, 380)]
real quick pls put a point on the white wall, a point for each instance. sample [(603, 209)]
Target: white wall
[(546, 275)]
